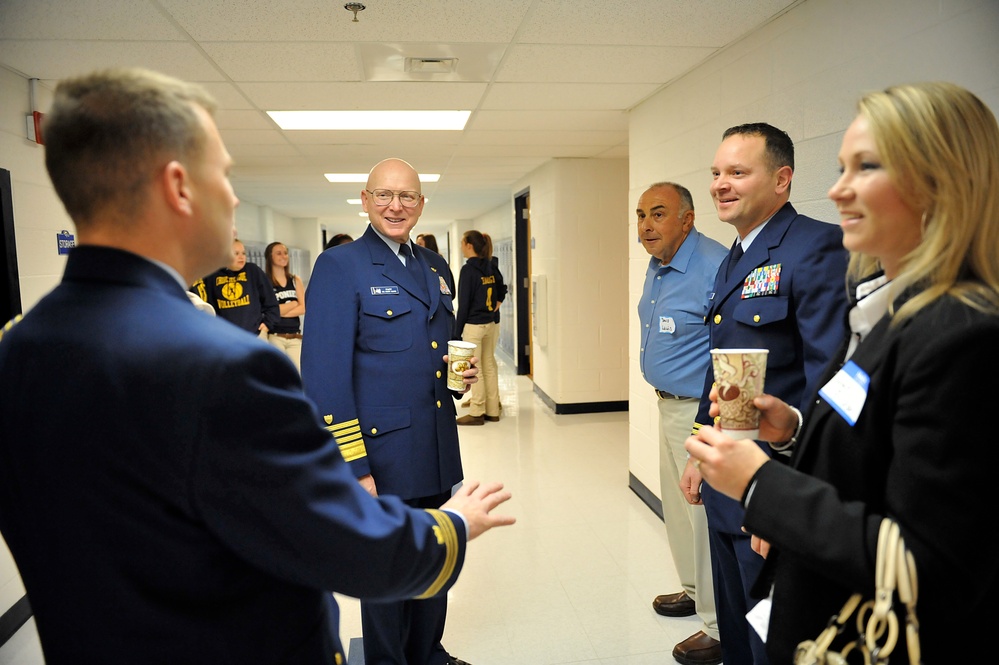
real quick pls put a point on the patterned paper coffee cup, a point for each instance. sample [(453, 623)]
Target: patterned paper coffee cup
[(460, 358), (739, 376)]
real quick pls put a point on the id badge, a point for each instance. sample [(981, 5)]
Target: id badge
[(846, 392)]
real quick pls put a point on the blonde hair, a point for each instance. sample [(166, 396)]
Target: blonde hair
[(940, 146)]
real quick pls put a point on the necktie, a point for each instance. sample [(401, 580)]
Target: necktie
[(413, 265), (733, 258)]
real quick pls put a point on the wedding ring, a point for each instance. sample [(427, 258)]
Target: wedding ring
[(697, 464)]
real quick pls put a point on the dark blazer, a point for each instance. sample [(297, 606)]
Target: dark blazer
[(911, 456), (800, 317), (372, 351), (167, 494)]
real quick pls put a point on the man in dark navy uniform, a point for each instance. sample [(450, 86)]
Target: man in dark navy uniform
[(374, 339), (780, 288)]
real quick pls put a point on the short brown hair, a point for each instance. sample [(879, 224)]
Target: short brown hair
[(108, 133)]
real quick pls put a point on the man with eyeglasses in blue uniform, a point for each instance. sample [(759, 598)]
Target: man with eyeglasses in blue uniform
[(374, 339)]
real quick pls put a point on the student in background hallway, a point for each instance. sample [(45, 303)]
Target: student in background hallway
[(499, 296), (674, 357), (165, 490), (917, 197), (241, 293), (429, 240), (780, 288), (501, 288), (337, 240), (290, 294), (380, 316), (478, 283)]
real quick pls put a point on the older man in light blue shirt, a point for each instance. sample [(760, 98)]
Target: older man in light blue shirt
[(674, 359)]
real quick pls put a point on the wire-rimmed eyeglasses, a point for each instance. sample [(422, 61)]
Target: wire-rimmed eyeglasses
[(383, 197)]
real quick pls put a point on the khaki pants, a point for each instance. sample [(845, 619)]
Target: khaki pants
[(292, 347), (485, 392), (686, 525)]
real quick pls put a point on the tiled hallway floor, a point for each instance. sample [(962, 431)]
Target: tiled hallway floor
[(573, 580)]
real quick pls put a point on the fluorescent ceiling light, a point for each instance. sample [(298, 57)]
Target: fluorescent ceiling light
[(354, 202), (363, 177), (371, 120)]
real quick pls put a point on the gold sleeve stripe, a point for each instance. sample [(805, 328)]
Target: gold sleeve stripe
[(352, 451), (695, 429), (338, 428), (448, 536), (9, 325), (347, 439)]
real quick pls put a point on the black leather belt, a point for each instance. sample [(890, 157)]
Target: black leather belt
[(662, 394)]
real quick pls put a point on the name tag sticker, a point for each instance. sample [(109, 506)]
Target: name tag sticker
[(384, 290), (667, 325), (847, 391)]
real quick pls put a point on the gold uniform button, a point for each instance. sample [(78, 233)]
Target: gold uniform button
[(717, 318), (438, 404), (374, 430), (389, 312), (756, 318), (433, 345), (438, 374)]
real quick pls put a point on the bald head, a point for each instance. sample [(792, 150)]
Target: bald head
[(393, 219)]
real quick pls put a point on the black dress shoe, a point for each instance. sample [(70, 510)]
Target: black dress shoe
[(698, 649), (674, 605)]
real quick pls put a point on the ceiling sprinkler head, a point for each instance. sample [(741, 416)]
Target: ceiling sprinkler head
[(354, 7)]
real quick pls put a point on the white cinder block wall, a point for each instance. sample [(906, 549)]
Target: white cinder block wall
[(803, 73), (578, 215)]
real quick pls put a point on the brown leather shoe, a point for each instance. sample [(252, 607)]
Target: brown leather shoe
[(698, 649), (674, 605), (492, 419), (471, 420)]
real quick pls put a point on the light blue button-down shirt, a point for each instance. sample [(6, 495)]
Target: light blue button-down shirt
[(674, 345)]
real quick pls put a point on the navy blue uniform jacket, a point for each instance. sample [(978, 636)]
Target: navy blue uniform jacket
[(787, 294), (167, 494), (372, 351)]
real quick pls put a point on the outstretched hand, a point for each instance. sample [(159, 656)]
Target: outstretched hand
[(476, 502)]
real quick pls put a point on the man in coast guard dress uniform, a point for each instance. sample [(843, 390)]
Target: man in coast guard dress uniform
[(780, 288), (165, 490), (374, 337)]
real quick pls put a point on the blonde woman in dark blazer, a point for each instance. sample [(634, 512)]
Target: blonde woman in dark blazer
[(888, 432)]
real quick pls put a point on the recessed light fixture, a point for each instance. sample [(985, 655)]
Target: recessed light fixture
[(354, 202), (371, 120), (363, 177)]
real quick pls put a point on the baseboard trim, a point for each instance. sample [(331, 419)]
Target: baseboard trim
[(645, 494), (12, 620), (580, 407)]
